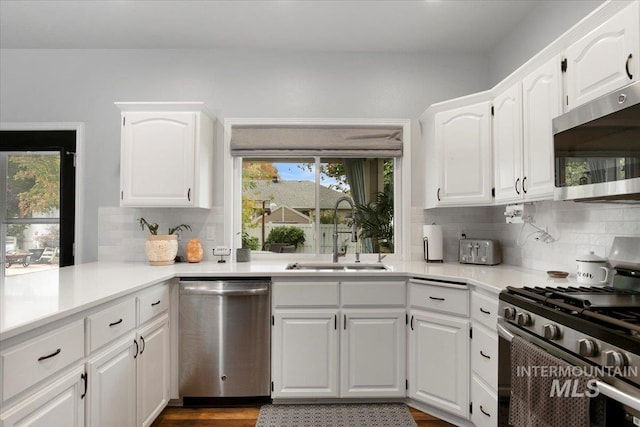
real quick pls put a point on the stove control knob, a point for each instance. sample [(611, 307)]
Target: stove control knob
[(509, 313), (524, 319), (614, 359), (551, 331), (587, 348)]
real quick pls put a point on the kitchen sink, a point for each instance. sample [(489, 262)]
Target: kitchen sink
[(336, 266)]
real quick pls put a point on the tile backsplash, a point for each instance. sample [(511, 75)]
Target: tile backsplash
[(576, 228), (121, 239)]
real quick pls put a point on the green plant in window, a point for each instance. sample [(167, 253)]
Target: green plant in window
[(288, 235), (249, 242), (375, 221)]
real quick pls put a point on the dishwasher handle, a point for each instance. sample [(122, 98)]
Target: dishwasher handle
[(204, 288)]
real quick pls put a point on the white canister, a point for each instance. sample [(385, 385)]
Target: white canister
[(591, 269)]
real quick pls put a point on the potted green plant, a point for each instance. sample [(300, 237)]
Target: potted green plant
[(243, 254), (161, 249)]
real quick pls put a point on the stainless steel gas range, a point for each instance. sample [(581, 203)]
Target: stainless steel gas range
[(596, 330)]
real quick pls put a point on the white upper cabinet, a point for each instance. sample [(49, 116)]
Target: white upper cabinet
[(605, 59), (541, 102), (523, 138), (463, 146), (507, 144), (166, 155)]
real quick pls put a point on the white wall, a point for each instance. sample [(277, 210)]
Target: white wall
[(545, 23), (81, 86)]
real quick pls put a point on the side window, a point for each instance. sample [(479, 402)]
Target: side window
[(38, 199)]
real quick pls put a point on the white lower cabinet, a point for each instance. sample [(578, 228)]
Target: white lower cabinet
[(129, 381), (58, 404), (305, 354), (439, 361), (372, 353), (339, 339), (112, 385), (484, 359), (153, 371), (484, 404)]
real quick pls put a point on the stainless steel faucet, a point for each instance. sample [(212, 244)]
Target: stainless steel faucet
[(353, 232)]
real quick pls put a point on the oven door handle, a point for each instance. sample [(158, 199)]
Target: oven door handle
[(504, 333), (618, 396)]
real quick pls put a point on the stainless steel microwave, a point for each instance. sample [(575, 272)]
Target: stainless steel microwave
[(597, 149)]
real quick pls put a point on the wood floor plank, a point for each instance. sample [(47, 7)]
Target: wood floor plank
[(246, 417)]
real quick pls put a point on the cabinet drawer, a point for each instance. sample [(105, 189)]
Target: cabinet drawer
[(484, 309), (309, 294), (484, 404), (110, 323), (484, 355), (28, 363), (373, 293), (446, 299), (152, 302)]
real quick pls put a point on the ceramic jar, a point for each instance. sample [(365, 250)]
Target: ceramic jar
[(161, 249), (592, 270)]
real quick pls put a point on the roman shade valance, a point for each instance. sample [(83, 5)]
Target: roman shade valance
[(335, 141)]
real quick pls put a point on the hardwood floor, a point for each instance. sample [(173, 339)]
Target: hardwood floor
[(246, 417)]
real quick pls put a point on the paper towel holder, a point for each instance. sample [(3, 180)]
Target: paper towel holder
[(427, 256)]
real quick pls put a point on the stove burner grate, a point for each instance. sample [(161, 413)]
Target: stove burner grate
[(618, 308)]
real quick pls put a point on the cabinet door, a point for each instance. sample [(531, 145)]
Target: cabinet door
[(112, 385), (485, 404), (541, 103), (153, 370), (464, 144), (158, 159), (439, 361), (58, 404), (605, 59), (507, 144), (372, 353), (484, 355), (305, 354)]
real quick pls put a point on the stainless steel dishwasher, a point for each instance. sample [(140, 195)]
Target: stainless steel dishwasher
[(224, 329)]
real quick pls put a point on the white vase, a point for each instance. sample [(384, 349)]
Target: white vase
[(162, 249)]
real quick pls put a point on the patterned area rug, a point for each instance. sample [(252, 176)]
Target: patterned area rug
[(336, 415)]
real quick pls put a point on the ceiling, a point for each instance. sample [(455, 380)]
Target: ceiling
[(302, 25)]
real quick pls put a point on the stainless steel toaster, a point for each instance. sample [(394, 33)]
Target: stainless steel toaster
[(479, 251)]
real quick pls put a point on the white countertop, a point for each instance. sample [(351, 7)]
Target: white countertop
[(32, 300)]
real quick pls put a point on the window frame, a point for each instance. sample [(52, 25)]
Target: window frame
[(401, 185), (76, 252)]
